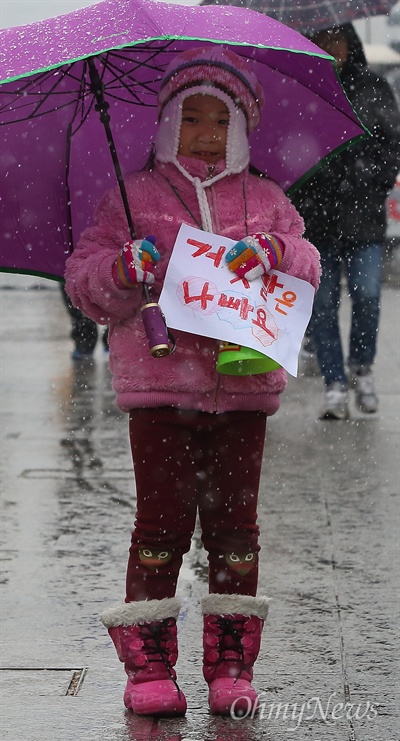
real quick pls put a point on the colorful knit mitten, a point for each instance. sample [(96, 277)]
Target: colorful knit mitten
[(135, 263), (255, 255)]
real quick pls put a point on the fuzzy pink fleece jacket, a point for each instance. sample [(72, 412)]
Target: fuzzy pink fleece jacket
[(187, 379)]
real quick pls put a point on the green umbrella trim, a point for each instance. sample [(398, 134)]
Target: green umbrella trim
[(35, 273), (157, 38)]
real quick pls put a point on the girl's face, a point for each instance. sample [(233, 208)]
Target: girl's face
[(204, 128)]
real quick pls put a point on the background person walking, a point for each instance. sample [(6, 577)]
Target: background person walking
[(343, 207)]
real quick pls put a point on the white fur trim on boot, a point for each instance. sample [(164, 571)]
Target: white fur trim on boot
[(145, 611), (235, 604)]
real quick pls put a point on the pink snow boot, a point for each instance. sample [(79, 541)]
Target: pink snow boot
[(232, 634), (145, 637)]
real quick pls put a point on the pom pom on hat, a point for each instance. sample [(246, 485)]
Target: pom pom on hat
[(219, 68)]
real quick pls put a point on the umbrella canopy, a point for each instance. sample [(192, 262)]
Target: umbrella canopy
[(311, 16), (55, 162)]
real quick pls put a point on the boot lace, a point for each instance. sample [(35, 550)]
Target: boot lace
[(155, 636), (231, 628)]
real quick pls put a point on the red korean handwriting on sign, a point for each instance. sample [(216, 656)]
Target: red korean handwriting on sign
[(261, 323), (233, 302), (204, 249), (270, 282), (287, 299), (203, 297), (245, 282)]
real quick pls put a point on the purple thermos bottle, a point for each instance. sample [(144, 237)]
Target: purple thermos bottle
[(156, 330)]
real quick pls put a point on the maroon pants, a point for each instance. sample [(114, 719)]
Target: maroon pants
[(187, 462)]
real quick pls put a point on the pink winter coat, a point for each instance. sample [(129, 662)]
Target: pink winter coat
[(187, 379)]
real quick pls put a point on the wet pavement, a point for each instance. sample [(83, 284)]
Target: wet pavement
[(329, 516)]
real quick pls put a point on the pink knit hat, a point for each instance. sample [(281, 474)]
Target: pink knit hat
[(219, 68)]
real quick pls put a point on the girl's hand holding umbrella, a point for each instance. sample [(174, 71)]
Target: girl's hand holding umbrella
[(134, 266)]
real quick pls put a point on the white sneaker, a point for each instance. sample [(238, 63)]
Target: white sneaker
[(362, 380), (336, 402), (308, 363)]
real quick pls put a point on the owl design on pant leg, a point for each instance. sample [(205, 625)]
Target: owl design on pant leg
[(241, 563), (154, 558)]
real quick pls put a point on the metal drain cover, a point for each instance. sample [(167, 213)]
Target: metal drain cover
[(42, 681)]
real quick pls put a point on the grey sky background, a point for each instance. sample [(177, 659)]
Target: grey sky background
[(20, 12)]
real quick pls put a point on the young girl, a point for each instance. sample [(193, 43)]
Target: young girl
[(197, 437)]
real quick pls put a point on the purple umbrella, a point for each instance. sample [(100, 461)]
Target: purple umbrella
[(55, 161), (311, 16)]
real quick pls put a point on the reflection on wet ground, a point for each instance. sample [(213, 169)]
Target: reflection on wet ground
[(330, 553)]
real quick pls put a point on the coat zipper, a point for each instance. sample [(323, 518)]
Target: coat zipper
[(215, 405), (211, 171)]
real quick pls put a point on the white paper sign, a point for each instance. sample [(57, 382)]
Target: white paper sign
[(201, 295)]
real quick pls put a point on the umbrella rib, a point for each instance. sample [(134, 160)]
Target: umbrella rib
[(80, 104), (140, 63), (78, 110), (23, 92), (119, 79), (156, 51), (29, 116), (26, 92), (49, 92), (120, 76)]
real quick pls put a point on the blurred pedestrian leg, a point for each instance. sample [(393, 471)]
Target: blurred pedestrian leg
[(362, 265), (84, 332), (308, 361)]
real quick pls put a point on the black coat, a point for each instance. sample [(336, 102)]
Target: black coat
[(345, 200)]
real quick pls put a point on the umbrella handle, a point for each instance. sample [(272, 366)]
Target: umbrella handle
[(160, 339)]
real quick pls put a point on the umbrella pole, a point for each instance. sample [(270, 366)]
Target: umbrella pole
[(102, 107), (157, 332)]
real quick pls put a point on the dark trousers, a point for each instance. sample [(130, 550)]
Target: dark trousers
[(362, 264), (189, 462), (84, 331)]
